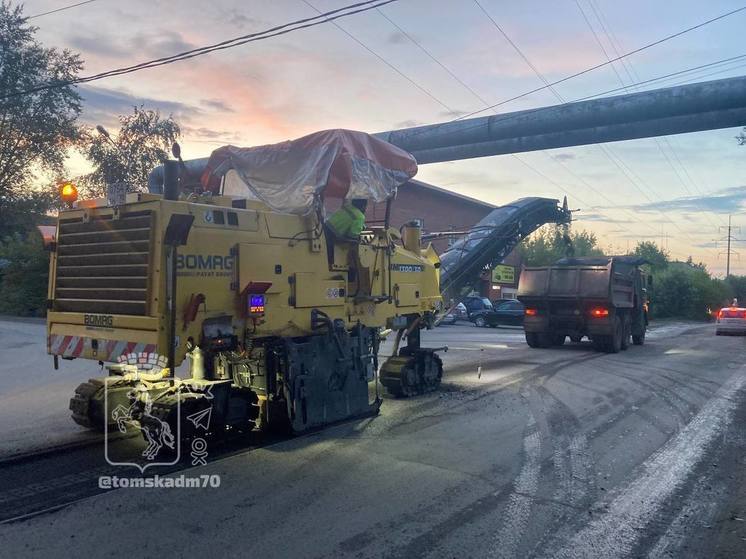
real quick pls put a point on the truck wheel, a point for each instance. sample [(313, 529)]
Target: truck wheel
[(479, 322), (615, 343), (639, 340), (538, 339), (627, 332), (558, 339), (545, 339)]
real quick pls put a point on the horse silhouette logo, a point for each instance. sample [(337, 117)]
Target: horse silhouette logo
[(139, 414)]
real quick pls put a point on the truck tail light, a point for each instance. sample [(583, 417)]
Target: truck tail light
[(599, 312), (531, 312)]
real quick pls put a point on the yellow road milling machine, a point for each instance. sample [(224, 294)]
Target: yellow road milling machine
[(230, 264)]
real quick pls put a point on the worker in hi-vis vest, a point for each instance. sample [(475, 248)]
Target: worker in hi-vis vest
[(349, 220)]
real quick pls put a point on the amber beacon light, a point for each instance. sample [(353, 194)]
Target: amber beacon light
[(68, 192)]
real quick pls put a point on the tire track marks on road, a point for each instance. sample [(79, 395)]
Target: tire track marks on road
[(636, 505), (553, 426), (570, 458), (525, 485), (442, 527)]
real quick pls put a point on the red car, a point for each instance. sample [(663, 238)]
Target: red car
[(731, 320)]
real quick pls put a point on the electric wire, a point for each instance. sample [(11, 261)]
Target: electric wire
[(632, 75), (602, 64), (485, 102), (627, 65), (525, 163), (582, 72), (432, 57), (543, 80), (618, 162), (62, 9), (305, 23), (420, 87), (364, 7), (382, 59), (561, 99)]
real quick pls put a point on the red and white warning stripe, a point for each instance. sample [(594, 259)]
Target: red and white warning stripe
[(108, 350)]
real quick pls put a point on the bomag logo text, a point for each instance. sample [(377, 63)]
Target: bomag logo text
[(101, 320), (206, 265)]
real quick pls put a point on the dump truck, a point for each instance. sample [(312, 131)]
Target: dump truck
[(228, 263), (602, 298)]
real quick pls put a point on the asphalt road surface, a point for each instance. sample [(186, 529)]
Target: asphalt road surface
[(543, 453)]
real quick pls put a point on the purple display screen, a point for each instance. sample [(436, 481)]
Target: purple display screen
[(256, 304)]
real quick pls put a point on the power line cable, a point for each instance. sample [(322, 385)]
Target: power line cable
[(270, 33), (519, 51), (618, 162), (479, 97), (304, 23), (559, 97), (613, 90), (632, 74), (627, 65), (591, 69), (62, 9), (382, 59), (283, 29), (432, 57), (649, 81)]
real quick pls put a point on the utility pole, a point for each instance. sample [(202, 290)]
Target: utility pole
[(729, 239), (664, 238), (727, 261)]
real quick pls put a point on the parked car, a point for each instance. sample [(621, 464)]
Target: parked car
[(731, 320), (460, 312), (508, 313), (475, 305), (455, 314), (497, 302), (448, 320)]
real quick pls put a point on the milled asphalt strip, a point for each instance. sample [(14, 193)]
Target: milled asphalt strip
[(616, 532), (700, 510), (580, 466), (524, 490)]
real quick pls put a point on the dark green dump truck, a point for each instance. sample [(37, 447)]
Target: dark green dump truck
[(603, 298)]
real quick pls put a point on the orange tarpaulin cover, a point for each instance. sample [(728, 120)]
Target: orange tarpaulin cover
[(337, 163)]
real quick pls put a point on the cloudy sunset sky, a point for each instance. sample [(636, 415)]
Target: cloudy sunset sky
[(371, 73)]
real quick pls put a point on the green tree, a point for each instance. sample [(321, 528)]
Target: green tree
[(650, 251), (37, 129), (738, 287), (548, 245), (24, 272), (671, 295), (142, 143), (688, 291)]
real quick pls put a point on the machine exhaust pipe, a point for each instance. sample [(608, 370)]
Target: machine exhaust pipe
[(171, 186)]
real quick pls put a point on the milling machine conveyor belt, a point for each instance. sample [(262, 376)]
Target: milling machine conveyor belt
[(492, 239)]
